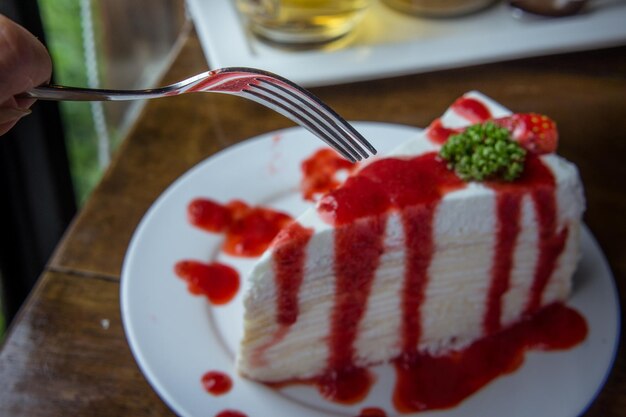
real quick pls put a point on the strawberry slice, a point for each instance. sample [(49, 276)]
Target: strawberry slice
[(534, 132)]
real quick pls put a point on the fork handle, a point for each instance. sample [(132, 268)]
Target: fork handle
[(58, 92)]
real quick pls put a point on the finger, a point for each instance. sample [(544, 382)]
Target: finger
[(24, 61)]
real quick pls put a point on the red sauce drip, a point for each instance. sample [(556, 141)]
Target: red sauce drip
[(474, 111), (551, 244), (230, 413), (216, 383), (354, 271), (343, 381), (425, 382), (289, 257), (218, 282), (372, 412), (320, 172), (248, 230), (418, 223), (508, 211)]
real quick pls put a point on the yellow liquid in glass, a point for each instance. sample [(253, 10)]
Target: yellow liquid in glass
[(301, 21)]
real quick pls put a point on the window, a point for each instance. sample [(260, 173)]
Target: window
[(53, 158)]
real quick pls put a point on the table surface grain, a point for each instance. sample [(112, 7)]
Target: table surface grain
[(66, 353)]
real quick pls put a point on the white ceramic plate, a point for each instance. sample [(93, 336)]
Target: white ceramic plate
[(176, 337), (388, 43)]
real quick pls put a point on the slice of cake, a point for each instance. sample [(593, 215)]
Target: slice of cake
[(408, 258)]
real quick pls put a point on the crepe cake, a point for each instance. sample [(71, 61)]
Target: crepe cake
[(406, 259)]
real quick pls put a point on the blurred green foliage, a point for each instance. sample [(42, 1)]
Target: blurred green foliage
[(62, 24)]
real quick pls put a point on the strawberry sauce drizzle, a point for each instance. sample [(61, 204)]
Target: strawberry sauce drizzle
[(343, 381), (418, 223), (288, 258), (551, 244)]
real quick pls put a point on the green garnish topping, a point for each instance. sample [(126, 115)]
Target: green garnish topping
[(484, 152)]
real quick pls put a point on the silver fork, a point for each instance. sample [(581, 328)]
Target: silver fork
[(270, 90)]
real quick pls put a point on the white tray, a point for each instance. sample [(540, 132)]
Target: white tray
[(389, 43)]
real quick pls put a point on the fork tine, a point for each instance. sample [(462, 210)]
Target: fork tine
[(312, 113), (333, 119), (303, 118), (303, 114), (287, 87)]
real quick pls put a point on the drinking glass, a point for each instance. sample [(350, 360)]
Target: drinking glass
[(302, 21)]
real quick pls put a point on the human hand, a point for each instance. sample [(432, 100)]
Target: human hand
[(24, 64)]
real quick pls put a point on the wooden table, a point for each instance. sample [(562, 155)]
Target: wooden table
[(66, 353)]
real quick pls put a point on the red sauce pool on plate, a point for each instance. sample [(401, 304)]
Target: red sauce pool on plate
[(248, 230), (218, 282), (216, 383), (425, 382)]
